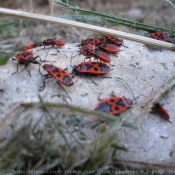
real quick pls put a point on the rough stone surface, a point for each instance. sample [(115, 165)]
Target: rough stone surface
[(140, 67)]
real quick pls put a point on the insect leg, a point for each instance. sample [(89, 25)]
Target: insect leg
[(14, 59), (46, 55), (83, 75), (16, 66), (43, 78), (27, 69), (92, 80), (38, 57), (89, 57), (64, 90), (55, 47), (73, 57), (39, 68), (66, 69)]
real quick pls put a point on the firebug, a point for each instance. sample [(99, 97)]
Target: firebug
[(59, 74), (90, 50), (98, 54), (62, 76), (115, 40), (158, 108), (163, 36), (110, 48), (87, 41), (114, 105), (33, 45), (99, 39), (87, 49), (96, 40), (53, 43), (92, 68), (26, 58)]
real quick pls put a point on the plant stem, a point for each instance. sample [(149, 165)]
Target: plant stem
[(113, 19), (170, 3), (84, 111)]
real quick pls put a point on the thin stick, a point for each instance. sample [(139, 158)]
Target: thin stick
[(149, 102), (30, 6), (51, 7), (129, 36)]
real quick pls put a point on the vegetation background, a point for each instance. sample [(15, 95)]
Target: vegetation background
[(40, 152), (152, 12)]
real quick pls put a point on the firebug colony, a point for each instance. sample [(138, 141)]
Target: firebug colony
[(97, 47)]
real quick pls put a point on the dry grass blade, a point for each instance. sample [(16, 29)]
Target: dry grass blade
[(161, 169), (124, 35), (148, 102), (157, 94), (51, 7), (30, 6), (84, 111)]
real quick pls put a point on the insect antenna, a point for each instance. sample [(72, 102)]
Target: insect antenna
[(46, 76), (55, 48), (16, 66), (27, 69), (92, 80)]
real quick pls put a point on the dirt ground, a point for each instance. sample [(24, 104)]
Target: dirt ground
[(157, 13)]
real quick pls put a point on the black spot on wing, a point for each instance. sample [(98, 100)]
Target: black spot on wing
[(104, 45), (58, 75), (104, 107), (116, 108), (117, 40), (102, 40), (50, 40), (55, 69), (88, 66), (30, 59), (76, 68), (112, 100), (104, 68), (67, 79), (96, 69), (161, 36), (81, 67), (121, 102), (50, 66)]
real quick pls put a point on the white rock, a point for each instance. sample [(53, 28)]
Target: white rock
[(142, 68)]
